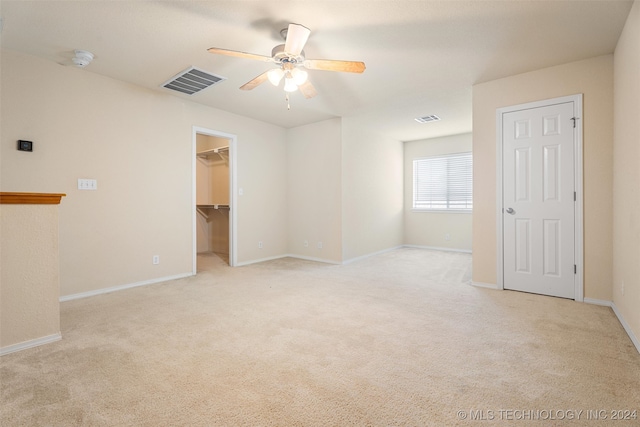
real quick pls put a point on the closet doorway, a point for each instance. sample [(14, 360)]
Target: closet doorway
[(213, 196)]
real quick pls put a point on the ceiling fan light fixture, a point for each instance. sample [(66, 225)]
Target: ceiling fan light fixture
[(299, 76), (290, 85), (289, 59), (275, 75)]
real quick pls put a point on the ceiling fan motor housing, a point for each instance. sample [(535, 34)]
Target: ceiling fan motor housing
[(280, 56)]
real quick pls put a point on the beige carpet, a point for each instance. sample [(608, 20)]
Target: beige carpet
[(396, 339)]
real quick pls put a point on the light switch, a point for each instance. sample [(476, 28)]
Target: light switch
[(87, 184)]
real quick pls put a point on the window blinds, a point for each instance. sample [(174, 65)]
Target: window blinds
[(443, 182)]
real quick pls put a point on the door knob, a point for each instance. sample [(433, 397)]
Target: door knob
[(510, 211)]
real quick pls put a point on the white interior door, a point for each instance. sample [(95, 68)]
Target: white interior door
[(538, 191)]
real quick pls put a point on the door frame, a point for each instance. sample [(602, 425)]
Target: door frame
[(233, 215), (578, 279)]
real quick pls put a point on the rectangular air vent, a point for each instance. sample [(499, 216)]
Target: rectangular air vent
[(427, 119), (192, 80)]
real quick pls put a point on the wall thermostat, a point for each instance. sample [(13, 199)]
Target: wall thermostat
[(25, 145)]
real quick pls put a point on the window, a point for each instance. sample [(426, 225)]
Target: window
[(443, 183)]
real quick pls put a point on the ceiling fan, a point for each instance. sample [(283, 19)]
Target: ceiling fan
[(290, 60)]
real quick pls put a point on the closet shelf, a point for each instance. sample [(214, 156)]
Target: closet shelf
[(205, 209), (218, 151), (213, 206)]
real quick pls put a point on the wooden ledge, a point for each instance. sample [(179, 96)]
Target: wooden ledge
[(30, 198)]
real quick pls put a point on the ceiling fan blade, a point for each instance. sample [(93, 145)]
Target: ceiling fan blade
[(239, 54), (307, 89), (332, 65), (297, 36), (255, 82)]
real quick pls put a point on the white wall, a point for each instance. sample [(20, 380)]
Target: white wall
[(372, 191), (591, 77), (314, 197), (431, 228), (626, 173), (137, 144)]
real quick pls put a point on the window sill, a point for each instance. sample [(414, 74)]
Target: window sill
[(451, 211)]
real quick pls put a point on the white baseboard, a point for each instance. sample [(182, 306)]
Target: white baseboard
[(485, 285), (323, 260), (308, 258), (255, 261), (626, 327), (30, 344), (359, 258), (123, 287), (436, 248), (351, 260), (621, 319), (597, 302)]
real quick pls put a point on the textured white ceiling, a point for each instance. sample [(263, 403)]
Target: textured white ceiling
[(422, 57)]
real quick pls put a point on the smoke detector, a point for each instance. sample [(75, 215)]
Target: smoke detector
[(82, 58)]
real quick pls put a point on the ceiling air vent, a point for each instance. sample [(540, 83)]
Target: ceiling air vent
[(427, 119), (192, 80)]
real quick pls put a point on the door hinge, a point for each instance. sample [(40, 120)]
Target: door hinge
[(575, 269), (575, 197), (575, 119)]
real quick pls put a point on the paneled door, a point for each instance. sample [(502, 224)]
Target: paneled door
[(538, 192)]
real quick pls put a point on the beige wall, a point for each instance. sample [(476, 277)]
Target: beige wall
[(626, 176), (591, 77), (314, 197), (372, 191), (29, 279), (431, 228), (137, 143)]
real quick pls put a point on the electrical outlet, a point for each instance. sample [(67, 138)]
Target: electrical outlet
[(447, 237), (156, 259), (319, 245), (306, 243), (260, 244)]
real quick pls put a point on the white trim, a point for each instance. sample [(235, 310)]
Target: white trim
[(594, 301), (499, 204), (256, 261), (578, 165), (485, 285), (306, 258), (352, 260), (578, 172), (123, 287), (451, 211), (30, 344), (437, 248), (626, 327), (621, 319), (310, 258), (233, 185), (361, 257)]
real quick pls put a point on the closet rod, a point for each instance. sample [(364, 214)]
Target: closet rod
[(203, 208), (213, 151)]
